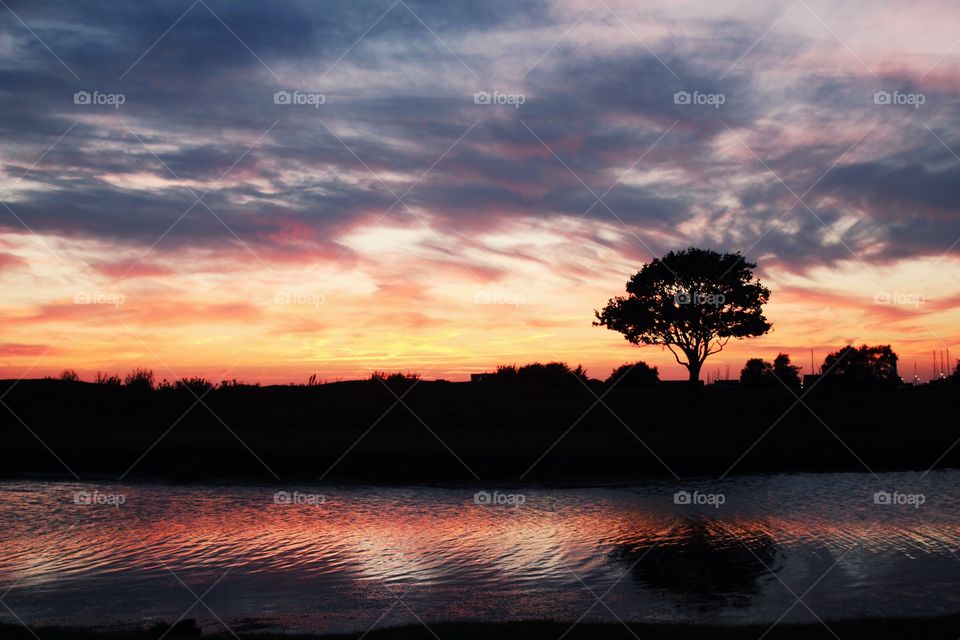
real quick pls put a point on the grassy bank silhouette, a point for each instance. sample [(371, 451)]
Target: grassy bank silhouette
[(541, 423)]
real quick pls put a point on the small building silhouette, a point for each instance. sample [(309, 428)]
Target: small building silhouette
[(726, 383), (678, 384)]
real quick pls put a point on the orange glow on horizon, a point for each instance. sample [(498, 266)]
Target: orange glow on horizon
[(405, 306)]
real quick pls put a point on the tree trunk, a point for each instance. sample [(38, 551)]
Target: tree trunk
[(694, 369)]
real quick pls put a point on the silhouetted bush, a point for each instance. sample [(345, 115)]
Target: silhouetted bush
[(551, 373), (637, 374), (199, 386), (139, 380), (233, 383), (394, 377), (396, 380), (69, 375), (107, 378), (236, 385)]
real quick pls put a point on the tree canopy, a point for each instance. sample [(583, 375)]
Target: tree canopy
[(760, 374), (551, 373), (637, 374), (863, 366)]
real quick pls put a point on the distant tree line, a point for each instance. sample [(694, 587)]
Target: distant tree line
[(848, 368), (862, 367)]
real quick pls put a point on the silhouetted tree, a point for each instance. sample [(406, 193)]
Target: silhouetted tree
[(693, 302), (787, 373), (760, 374), (139, 380), (580, 372), (638, 374), (861, 367), (69, 375), (757, 374)]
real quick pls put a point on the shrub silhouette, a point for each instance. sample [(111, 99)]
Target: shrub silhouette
[(394, 377), (107, 378), (551, 373), (638, 374), (199, 386), (236, 385), (69, 375), (139, 380), (396, 380)]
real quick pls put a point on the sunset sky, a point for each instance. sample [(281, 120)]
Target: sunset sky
[(206, 227)]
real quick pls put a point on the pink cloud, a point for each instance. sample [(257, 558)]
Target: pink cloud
[(31, 350), (8, 261), (131, 269)]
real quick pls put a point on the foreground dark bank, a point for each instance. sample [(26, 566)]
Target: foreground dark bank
[(443, 432), (945, 627)]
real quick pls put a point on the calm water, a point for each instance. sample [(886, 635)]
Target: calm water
[(390, 554)]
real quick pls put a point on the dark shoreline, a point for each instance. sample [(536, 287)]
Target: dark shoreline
[(467, 434), (920, 628), (451, 484)]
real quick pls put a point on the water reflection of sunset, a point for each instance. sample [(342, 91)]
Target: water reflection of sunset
[(357, 536)]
